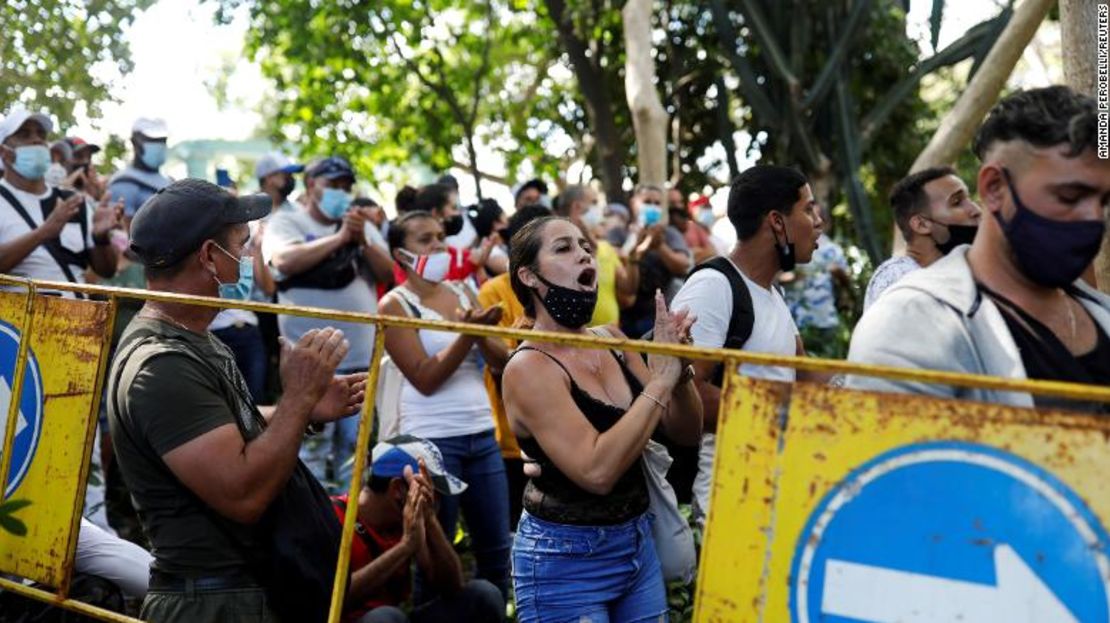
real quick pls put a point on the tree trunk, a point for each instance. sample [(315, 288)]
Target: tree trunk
[(724, 127), (593, 84), (472, 155), (1079, 39), (958, 127), (960, 124), (649, 119)]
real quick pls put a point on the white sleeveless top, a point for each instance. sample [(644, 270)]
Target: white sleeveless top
[(461, 405)]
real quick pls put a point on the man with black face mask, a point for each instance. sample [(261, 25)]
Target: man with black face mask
[(275, 178), (935, 213), (1012, 304), (777, 223)]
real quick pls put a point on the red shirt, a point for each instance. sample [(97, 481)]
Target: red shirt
[(461, 267), (365, 547)]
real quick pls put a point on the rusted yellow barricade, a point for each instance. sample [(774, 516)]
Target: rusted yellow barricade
[(821, 505)]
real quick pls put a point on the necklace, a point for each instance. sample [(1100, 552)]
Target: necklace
[(1071, 317), (161, 315)]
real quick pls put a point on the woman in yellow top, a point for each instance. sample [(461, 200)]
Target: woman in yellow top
[(499, 291), (616, 282)]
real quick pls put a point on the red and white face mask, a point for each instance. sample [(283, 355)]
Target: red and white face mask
[(432, 268)]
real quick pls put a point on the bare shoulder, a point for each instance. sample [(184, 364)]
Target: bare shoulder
[(530, 371), (390, 304)]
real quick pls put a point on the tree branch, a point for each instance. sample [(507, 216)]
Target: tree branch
[(754, 95), (763, 31), (481, 75), (499, 179), (840, 50), (957, 51)]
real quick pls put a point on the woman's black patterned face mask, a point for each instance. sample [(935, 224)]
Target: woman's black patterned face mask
[(570, 308)]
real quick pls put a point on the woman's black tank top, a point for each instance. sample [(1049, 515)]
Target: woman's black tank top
[(553, 496)]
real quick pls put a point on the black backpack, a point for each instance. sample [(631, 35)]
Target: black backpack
[(742, 320), (63, 256), (298, 534)]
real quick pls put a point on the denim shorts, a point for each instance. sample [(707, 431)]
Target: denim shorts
[(587, 574)]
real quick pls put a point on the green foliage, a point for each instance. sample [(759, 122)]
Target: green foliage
[(834, 85), (8, 521), (385, 82), (50, 47)]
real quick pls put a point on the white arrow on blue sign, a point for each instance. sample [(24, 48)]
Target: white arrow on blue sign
[(28, 426), (951, 531)]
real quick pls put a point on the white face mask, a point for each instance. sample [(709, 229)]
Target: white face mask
[(432, 268), (55, 174)]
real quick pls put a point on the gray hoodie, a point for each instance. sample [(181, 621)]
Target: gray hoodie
[(936, 319)]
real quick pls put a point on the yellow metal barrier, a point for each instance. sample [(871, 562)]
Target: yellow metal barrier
[(737, 412)]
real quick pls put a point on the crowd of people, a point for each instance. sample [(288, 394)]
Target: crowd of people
[(229, 436)]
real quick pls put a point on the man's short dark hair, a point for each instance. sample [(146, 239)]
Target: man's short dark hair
[(1042, 118), (536, 183), (908, 197), (757, 192), (364, 202), (432, 198)]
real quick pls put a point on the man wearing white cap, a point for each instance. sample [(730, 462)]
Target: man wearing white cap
[(46, 233), (396, 526), (141, 179)]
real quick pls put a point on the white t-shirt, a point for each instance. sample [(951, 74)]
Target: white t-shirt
[(297, 227), (887, 274), (39, 264), (708, 294)]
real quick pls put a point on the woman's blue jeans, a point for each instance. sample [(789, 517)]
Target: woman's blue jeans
[(595, 574)]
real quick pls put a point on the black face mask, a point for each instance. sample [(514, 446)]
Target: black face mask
[(785, 250), (453, 225), (570, 308), (957, 235), (1050, 253), (287, 188)]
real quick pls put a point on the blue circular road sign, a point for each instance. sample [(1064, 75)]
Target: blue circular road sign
[(28, 426), (951, 531)]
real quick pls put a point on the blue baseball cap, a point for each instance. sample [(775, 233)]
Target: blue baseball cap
[(390, 457), (332, 168)]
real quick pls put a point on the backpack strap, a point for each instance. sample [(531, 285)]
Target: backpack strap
[(742, 320), (62, 256), (413, 308)]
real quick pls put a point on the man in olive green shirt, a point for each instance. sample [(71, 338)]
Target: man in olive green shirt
[(201, 463)]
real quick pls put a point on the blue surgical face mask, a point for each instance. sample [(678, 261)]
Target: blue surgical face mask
[(32, 161), (154, 154), (650, 214), (241, 289), (335, 203)]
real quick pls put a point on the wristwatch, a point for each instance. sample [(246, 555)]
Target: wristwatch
[(102, 239)]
